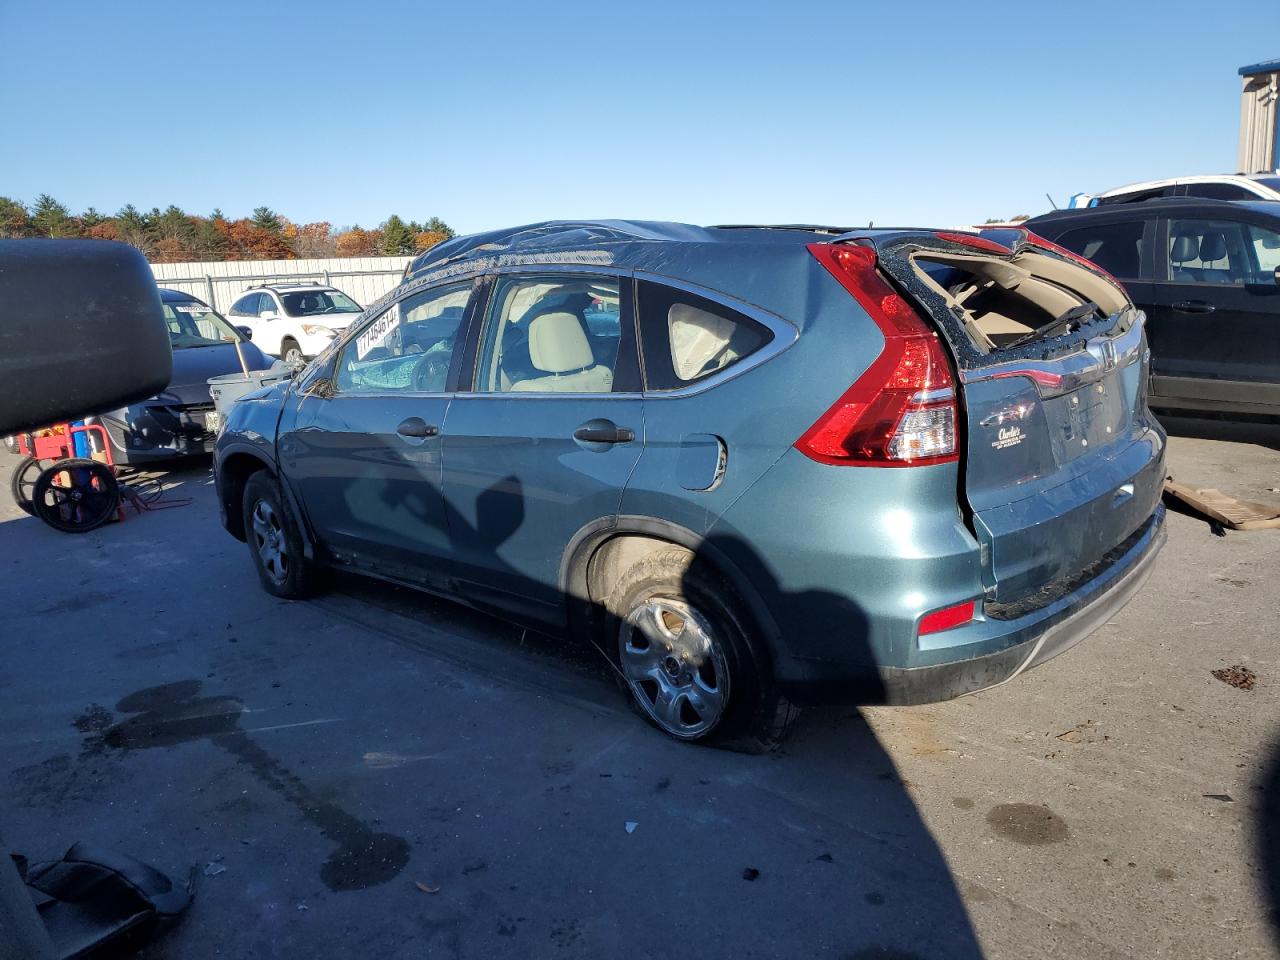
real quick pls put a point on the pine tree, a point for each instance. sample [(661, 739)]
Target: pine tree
[(49, 218), (264, 218), (397, 241), (436, 225)]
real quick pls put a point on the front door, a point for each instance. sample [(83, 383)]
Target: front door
[(364, 454), (546, 440), (1214, 323)]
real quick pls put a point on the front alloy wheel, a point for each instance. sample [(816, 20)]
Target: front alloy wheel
[(674, 665), (270, 541)]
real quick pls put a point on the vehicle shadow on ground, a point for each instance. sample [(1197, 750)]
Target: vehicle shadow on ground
[(838, 817), (1268, 840), (1260, 432)]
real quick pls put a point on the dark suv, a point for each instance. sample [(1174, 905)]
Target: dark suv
[(1207, 273)]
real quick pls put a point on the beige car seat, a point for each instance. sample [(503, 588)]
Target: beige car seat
[(559, 347)]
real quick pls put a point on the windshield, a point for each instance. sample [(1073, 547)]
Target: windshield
[(192, 324), (309, 303)]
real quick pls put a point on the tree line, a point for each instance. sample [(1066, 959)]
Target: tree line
[(174, 236)]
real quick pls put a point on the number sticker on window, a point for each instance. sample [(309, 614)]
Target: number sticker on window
[(379, 331)]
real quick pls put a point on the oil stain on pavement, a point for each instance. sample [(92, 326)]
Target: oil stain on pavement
[(176, 713), (1027, 823)]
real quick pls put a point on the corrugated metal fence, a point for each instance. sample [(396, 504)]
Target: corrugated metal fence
[(364, 279)]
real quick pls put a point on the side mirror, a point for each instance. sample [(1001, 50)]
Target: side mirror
[(267, 315), (81, 331), (246, 332)]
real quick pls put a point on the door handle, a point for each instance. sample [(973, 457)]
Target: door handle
[(603, 431), (417, 427), (1193, 306)]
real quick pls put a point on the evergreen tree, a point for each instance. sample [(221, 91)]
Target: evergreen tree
[(397, 240), (49, 218), (436, 225), (91, 218), (264, 218)]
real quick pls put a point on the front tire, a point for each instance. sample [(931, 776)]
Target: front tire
[(685, 656), (290, 352), (275, 542)]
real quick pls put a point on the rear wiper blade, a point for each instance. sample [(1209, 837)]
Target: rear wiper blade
[(1074, 315)]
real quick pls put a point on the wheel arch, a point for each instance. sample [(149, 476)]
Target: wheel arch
[(601, 551), (236, 464), (235, 467)]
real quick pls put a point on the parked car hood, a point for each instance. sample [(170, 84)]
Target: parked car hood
[(193, 366)]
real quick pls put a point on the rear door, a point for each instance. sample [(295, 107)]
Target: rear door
[(363, 449), (1215, 314), (545, 441), (244, 313), (1063, 460)]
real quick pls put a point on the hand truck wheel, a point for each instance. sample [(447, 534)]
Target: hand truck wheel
[(75, 496), (22, 481)]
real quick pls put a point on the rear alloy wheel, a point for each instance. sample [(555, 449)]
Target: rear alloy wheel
[(274, 541), (290, 352), (687, 656), (674, 666)]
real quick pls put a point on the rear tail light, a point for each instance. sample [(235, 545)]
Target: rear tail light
[(947, 618), (902, 411)]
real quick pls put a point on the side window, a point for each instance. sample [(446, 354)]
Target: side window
[(1207, 251), (407, 347), (245, 306), (1116, 247), (268, 303), (553, 334), (687, 338), (1219, 191), (1266, 252)]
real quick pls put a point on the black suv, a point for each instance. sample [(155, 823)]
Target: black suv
[(1207, 273)]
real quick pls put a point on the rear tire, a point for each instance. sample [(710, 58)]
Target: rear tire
[(678, 634), (275, 542)]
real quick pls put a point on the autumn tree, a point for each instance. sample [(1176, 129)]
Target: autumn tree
[(14, 221), (245, 240), (426, 239), (355, 242), (314, 240)]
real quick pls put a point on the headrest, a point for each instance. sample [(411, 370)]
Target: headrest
[(558, 344), (1213, 247), (697, 338), (1184, 248)]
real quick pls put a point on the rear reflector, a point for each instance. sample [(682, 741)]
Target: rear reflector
[(902, 411), (947, 618)]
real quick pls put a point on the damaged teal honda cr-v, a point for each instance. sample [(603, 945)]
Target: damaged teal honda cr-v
[(756, 466)]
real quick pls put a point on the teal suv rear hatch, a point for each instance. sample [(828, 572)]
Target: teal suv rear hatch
[(1017, 504)]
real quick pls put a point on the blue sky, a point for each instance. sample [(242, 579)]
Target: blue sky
[(500, 113)]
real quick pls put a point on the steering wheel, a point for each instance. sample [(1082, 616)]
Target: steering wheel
[(431, 373)]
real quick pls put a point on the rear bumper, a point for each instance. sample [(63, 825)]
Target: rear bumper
[(1029, 640), (1039, 636)]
